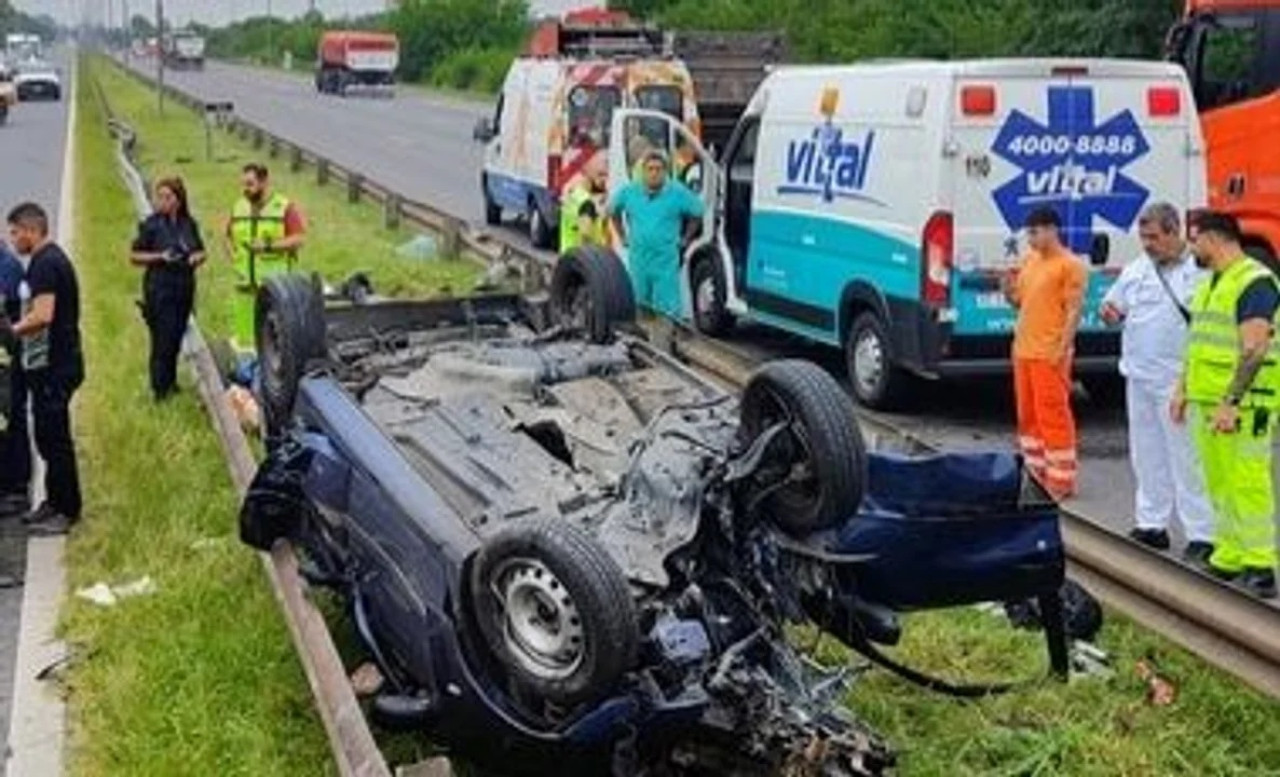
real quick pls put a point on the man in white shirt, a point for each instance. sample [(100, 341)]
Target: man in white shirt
[(1150, 300)]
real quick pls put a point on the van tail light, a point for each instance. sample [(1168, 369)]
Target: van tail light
[(553, 173), (937, 247), (978, 100), (1164, 101)]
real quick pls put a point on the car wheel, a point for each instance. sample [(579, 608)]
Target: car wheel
[(539, 229), (591, 292), (877, 382), (822, 451), (708, 285), (290, 333), (554, 608), (492, 210)]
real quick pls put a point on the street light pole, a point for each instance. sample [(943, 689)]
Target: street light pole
[(160, 52), (270, 55)]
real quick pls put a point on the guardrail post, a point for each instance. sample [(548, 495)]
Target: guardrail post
[(273, 150), (355, 187), (451, 238), (322, 172), (391, 211), (295, 159), (258, 138)]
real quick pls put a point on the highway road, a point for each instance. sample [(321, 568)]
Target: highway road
[(31, 155), (415, 144), (421, 145)]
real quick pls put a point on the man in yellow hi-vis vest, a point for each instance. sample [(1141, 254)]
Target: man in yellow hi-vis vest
[(263, 237), (582, 219), (1230, 394)]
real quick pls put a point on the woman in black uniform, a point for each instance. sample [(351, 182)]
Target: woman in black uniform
[(169, 246)]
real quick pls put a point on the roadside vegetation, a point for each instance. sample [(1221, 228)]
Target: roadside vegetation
[(341, 238), (467, 45), (199, 678)]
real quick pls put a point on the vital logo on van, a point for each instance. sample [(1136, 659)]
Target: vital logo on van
[(826, 165), (1074, 163)]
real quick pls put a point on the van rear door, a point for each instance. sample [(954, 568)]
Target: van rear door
[(1098, 140)]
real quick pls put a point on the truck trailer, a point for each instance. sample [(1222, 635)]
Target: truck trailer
[(350, 59)]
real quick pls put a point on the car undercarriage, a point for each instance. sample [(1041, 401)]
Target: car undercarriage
[(566, 550)]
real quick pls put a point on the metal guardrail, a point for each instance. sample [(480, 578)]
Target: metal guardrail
[(351, 741), (1221, 624)]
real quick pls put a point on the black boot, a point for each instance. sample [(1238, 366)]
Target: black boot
[(1152, 538)]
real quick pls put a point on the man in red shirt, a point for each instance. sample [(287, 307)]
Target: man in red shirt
[(1048, 290)]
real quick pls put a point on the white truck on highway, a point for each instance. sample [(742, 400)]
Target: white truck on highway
[(875, 207), (21, 47), (184, 50)]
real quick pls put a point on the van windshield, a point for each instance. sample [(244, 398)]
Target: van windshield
[(666, 99), (590, 112)]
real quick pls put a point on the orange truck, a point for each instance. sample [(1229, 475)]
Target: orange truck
[(1231, 51), (355, 59)]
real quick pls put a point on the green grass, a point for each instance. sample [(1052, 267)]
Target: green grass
[(200, 678), (341, 238)]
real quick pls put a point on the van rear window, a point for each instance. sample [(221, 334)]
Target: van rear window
[(667, 99), (590, 112)]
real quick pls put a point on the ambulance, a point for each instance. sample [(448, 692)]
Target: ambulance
[(556, 107), (875, 207)]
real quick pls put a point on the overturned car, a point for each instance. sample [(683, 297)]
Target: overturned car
[(568, 553)]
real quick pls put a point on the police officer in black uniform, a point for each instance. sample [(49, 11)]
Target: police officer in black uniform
[(169, 246), (15, 441)]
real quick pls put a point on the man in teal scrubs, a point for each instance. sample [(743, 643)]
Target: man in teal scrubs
[(649, 217)]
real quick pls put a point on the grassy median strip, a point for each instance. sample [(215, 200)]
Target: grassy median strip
[(1094, 726), (342, 237), (199, 677)]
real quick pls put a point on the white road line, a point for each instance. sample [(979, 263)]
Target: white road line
[(38, 725)]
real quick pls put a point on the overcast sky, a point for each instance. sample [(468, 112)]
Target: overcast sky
[(221, 11)]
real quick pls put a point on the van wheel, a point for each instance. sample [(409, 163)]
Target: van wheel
[(877, 382), (708, 285), (539, 229), (1265, 255), (492, 210), (820, 459)]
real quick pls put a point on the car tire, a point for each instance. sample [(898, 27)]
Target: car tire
[(707, 284), (1263, 254), (824, 431), (492, 210), (876, 381), (582, 630), (540, 234), (290, 334), (591, 292)]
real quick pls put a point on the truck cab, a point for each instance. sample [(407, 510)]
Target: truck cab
[(1231, 52), (875, 208)]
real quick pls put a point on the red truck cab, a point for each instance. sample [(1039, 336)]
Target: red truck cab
[(1231, 51)]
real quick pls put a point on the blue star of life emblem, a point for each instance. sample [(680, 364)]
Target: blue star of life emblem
[(1073, 164)]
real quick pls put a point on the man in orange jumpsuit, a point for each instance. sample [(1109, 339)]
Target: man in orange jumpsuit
[(1048, 290)]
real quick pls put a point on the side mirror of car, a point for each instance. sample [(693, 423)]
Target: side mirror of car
[(485, 130)]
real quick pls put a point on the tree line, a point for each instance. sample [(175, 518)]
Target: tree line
[(468, 44)]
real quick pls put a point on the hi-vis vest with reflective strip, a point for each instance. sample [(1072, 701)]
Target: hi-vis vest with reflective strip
[(248, 228), (570, 236), (1213, 349)]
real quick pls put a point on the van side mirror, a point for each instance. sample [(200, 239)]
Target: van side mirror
[(485, 130), (1099, 250)]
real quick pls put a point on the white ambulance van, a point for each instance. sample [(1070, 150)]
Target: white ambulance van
[(555, 110), (874, 207)]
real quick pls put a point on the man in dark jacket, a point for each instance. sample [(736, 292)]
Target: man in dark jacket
[(15, 444)]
